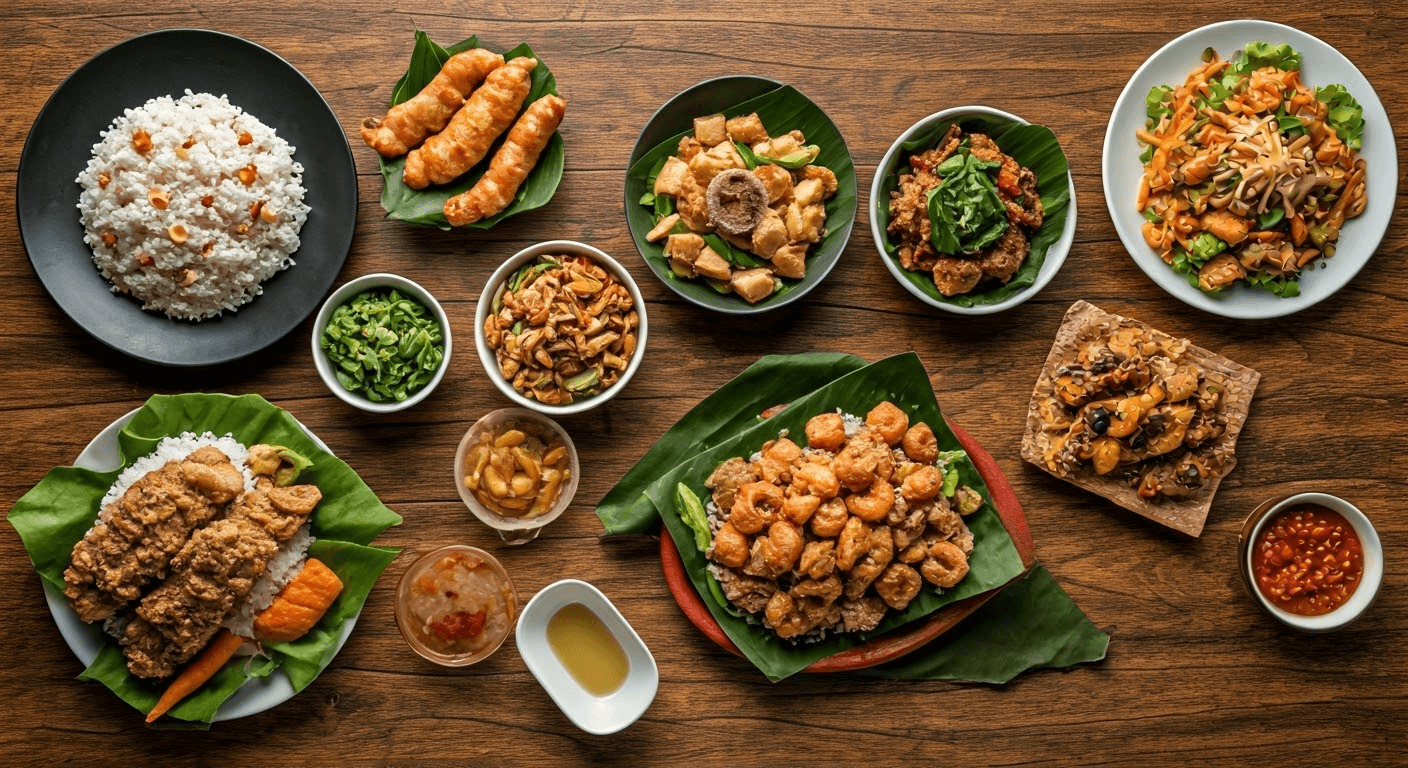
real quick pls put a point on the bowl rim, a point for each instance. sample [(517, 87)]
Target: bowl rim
[(1369, 540), (512, 524), (620, 711), (1055, 255), (440, 658), (486, 299), (336, 299), (640, 149)]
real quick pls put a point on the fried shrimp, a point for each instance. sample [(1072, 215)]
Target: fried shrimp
[(945, 566), (464, 142), (888, 422), (873, 505), (825, 431), (730, 547), (511, 165), (407, 124), (920, 444), (923, 484), (817, 480), (754, 507)]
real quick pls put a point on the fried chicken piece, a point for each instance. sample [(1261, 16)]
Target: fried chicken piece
[(408, 124), (1005, 257), (445, 156), (137, 535), (746, 592), (727, 478), (862, 615), (898, 585), (211, 575), (956, 276), (510, 166)]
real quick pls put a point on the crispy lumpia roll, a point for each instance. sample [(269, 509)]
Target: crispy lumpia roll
[(488, 113), (510, 166), (428, 112)]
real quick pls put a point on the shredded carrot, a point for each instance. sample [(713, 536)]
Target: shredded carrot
[(202, 669)]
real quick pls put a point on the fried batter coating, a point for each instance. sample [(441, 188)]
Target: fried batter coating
[(445, 156), (510, 166), (139, 533), (408, 124)]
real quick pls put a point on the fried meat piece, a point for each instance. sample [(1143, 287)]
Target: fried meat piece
[(1005, 256), (138, 534), (211, 575)]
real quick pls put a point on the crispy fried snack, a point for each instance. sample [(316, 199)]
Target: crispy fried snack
[(428, 112), (510, 166), (488, 113)]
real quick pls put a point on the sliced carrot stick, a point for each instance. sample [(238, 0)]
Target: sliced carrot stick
[(202, 669)]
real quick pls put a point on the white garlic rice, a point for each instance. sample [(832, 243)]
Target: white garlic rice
[(190, 259)]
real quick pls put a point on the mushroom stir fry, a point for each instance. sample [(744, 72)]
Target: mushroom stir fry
[(1249, 174), (562, 329), (1132, 405), (835, 536)]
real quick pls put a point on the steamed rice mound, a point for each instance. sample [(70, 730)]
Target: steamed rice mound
[(189, 204)]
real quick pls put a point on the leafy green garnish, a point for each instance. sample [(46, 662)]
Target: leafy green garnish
[(1271, 218), (1346, 116), (1258, 55), (791, 161), (383, 344), (965, 213), (948, 462), (1205, 246), (735, 256), (426, 207), (1156, 104), (1285, 288), (692, 513)]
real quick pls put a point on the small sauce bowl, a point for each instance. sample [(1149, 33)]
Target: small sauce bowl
[(412, 622), (1373, 559), (516, 530), (598, 715)]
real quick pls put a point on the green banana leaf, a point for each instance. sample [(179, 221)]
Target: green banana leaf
[(426, 207), (1033, 146), (773, 380), (781, 110), (55, 514), (902, 380), (1029, 625)]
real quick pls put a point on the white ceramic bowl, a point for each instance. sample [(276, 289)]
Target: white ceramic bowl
[(496, 283), (1368, 540), (517, 530), (1321, 65), (594, 714), (1055, 255), (344, 294)]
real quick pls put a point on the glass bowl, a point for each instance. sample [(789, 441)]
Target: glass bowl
[(516, 530), (438, 597)]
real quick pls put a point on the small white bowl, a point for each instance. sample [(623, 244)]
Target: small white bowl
[(1055, 254), (598, 715), (497, 281), (1368, 539), (517, 530), (346, 292)]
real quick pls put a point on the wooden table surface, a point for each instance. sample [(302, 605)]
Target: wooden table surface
[(1195, 673)]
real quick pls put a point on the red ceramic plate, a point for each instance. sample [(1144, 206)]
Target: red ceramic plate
[(897, 643)]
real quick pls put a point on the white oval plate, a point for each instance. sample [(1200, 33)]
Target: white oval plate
[(1321, 65), (86, 640)]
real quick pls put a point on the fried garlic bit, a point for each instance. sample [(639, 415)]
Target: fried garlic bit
[(407, 124), (510, 166), (465, 141), (568, 329)]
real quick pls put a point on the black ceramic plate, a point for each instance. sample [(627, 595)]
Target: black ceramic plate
[(125, 76)]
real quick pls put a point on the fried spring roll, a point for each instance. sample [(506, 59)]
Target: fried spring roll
[(428, 112), (510, 166), (488, 113)]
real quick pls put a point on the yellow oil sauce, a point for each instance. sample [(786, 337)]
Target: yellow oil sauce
[(587, 649)]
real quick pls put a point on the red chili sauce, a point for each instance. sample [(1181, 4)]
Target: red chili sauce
[(1307, 560)]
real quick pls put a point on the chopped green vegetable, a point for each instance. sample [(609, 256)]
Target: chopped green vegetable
[(1346, 116), (1205, 246), (1259, 55), (584, 380), (648, 198), (1271, 218), (383, 344), (947, 462), (692, 513), (791, 161), (965, 213), (967, 500), (291, 466), (1149, 215)]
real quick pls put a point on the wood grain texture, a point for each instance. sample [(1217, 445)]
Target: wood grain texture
[(1195, 674)]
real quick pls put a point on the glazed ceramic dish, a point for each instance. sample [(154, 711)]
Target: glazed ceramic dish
[(122, 77), (497, 282), (344, 294), (723, 95), (1321, 65), (919, 284)]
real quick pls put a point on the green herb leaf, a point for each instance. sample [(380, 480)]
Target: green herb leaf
[(1271, 218), (693, 515), (426, 207), (1346, 116), (965, 213), (1259, 55)]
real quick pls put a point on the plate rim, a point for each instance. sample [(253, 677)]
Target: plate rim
[(256, 694), (896, 643), (340, 250), (1174, 284), (640, 149)]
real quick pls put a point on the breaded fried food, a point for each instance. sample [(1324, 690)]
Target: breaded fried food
[(466, 140), (211, 575), (511, 164), (138, 534), (427, 113)]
